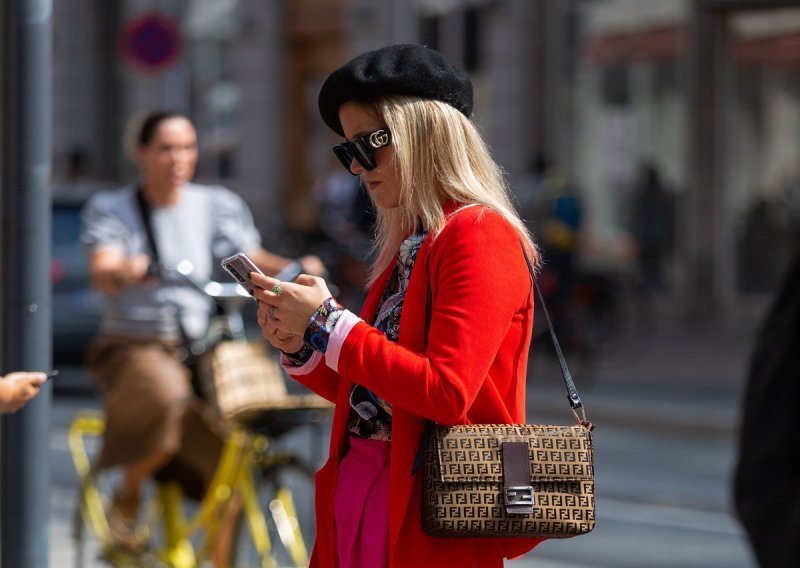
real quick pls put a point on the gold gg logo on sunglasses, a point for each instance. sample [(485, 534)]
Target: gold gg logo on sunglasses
[(362, 149), (379, 138)]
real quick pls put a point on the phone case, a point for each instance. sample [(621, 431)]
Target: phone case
[(239, 266)]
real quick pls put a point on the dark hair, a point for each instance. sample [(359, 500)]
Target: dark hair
[(151, 122)]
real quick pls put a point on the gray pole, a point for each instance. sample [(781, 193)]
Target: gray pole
[(701, 211), (25, 295)]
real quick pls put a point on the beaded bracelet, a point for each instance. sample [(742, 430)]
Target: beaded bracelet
[(321, 324), (300, 357)]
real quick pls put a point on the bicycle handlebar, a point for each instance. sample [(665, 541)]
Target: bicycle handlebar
[(229, 296), (226, 290), (212, 288)]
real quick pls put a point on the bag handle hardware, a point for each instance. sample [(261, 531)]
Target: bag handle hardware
[(518, 490)]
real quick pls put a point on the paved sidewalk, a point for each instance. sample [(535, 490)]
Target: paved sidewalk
[(686, 379)]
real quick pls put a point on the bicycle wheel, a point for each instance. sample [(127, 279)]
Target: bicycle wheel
[(615, 319), (89, 547), (92, 545), (282, 534)]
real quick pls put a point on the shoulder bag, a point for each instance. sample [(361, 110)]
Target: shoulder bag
[(510, 480)]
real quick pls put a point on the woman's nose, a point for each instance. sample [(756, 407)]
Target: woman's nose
[(355, 167)]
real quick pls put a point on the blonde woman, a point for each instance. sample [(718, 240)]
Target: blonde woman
[(446, 230)]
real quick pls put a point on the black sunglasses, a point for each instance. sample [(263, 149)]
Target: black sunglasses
[(362, 149)]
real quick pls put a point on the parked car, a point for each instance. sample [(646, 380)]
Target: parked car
[(76, 306)]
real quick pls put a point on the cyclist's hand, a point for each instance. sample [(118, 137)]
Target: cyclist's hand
[(137, 267), (312, 265), (290, 305), (112, 271), (134, 270)]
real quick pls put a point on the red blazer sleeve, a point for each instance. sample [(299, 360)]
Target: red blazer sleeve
[(480, 285), (317, 376)]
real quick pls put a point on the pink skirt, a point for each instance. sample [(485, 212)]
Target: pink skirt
[(361, 505)]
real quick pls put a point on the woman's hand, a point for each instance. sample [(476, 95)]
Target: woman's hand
[(285, 341), (288, 306)]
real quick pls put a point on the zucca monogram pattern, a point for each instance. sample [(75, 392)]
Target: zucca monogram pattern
[(463, 493)]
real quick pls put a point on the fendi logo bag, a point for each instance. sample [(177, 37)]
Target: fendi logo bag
[(510, 480), (501, 480)]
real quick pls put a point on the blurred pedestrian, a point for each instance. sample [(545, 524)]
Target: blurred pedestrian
[(652, 221), (447, 316), (336, 192), (767, 225), (553, 210), (16, 389), (154, 422), (555, 215), (767, 476), (347, 222)]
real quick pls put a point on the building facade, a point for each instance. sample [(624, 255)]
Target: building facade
[(602, 89)]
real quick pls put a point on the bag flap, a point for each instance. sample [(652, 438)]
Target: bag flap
[(473, 453)]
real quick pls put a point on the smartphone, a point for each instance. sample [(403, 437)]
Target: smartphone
[(239, 266)]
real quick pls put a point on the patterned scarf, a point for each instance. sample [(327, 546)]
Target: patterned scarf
[(372, 415)]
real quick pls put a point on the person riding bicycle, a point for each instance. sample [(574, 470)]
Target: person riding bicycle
[(154, 422)]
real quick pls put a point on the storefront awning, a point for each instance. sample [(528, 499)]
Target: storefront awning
[(670, 42)]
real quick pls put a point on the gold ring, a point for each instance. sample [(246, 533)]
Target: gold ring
[(277, 289)]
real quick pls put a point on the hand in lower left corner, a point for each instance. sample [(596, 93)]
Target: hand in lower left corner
[(17, 388)]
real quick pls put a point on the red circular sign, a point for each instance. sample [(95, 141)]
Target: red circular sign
[(151, 42)]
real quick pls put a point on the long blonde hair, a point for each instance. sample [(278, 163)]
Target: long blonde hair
[(439, 156)]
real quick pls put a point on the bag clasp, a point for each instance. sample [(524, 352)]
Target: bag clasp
[(519, 500)]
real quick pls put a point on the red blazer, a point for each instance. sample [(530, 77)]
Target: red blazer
[(472, 370)]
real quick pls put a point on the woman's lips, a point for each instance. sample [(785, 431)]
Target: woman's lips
[(371, 185)]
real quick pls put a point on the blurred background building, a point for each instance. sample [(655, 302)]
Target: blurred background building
[(701, 95)]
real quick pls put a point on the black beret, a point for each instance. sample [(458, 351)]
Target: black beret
[(411, 70)]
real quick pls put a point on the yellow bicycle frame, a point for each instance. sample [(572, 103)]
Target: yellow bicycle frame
[(234, 476)]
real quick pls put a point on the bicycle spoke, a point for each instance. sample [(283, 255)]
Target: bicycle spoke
[(284, 523)]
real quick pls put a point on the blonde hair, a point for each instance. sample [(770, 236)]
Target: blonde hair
[(439, 156)]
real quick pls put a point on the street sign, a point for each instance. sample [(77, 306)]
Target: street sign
[(151, 42)]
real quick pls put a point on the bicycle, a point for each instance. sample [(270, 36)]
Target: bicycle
[(604, 317), (253, 474)]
